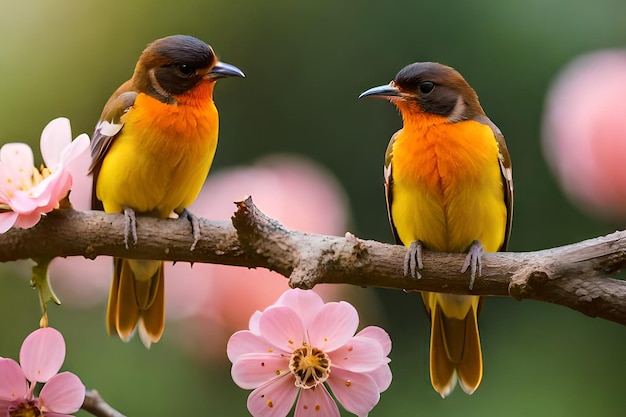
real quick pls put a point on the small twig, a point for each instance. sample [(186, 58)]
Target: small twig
[(94, 404)]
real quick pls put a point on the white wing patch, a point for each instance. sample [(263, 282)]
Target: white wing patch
[(506, 171), (106, 128), (387, 173)]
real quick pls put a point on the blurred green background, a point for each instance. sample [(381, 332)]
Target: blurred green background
[(306, 63)]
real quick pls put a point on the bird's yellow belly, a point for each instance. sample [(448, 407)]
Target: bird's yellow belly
[(448, 192), (449, 224), (155, 175)]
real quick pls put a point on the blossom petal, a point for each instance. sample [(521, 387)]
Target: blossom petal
[(360, 354), (40, 199), (254, 322), (75, 150), (316, 402), (61, 188), (26, 221), (51, 190), (42, 354), (55, 137), (243, 342), (376, 333), (78, 167), (357, 392), (306, 303), (282, 327), (7, 182), (382, 376), (255, 369), (7, 220), (13, 384), (273, 399), (64, 393), (22, 202), (18, 162), (333, 326)]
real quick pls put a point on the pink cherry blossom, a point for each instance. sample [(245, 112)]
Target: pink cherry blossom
[(584, 132), (41, 357), (27, 192), (300, 349)]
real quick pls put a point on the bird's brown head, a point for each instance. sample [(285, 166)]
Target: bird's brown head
[(429, 87), (174, 65)]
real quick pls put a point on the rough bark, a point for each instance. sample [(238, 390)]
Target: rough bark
[(576, 276)]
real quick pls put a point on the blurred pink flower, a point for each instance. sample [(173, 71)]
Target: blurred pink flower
[(213, 301), (41, 357), (584, 132), (299, 345), (26, 192)]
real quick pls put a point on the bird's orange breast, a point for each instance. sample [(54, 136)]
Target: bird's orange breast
[(192, 118), (447, 186), (161, 157)]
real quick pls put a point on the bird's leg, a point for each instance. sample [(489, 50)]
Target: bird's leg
[(195, 226), (474, 260), (130, 226), (413, 263)]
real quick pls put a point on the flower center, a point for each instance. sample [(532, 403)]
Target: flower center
[(38, 176), (310, 366), (25, 409)]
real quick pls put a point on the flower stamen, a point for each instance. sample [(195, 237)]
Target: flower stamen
[(25, 409), (310, 366)]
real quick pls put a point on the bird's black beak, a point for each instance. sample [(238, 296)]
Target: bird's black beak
[(222, 70), (384, 91)]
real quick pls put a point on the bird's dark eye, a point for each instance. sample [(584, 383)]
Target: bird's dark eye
[(426, 87), (185, 70)]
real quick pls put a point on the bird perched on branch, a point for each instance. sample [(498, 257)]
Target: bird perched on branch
[(449, 188), (151, 152)]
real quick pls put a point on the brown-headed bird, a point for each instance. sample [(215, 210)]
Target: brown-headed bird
[(449, 188), (151, 152)]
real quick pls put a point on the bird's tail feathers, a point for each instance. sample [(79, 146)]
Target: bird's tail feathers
[(137, 300), (455, 351)]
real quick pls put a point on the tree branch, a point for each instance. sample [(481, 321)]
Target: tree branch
[(95, 405), (572, 275)]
